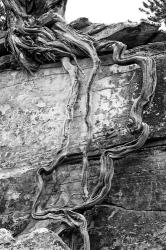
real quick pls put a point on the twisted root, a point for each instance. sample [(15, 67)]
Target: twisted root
[(33, 44), (108, 156)]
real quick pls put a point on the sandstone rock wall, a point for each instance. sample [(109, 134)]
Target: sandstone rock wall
[(32, 115)]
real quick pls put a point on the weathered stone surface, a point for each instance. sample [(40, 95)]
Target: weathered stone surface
[(113, 228), (132, 34), (32, 117), (138, 186), (32, 114), (37, 240), (6, 238), (33, 111)]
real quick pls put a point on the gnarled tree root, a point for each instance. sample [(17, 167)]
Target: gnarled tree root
[(71, 216), (33, 42)]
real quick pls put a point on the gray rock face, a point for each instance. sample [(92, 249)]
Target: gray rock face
[(131, 34), (39, 239), (6, 238), (32, 115)]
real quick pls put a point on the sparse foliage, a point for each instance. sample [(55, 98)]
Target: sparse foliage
[(155, 10)]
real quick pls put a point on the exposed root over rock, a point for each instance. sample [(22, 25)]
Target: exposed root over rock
[(47, 38)]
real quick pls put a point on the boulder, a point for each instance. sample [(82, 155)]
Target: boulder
[(6, 238), (39, 239), (130, 33)]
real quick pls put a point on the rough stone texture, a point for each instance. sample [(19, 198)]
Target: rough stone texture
[(5, 238), (132, 34), (33, 111), (40, 239), (114, 228), (32, 114)]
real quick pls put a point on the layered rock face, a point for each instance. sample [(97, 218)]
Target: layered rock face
[(32, 116)]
